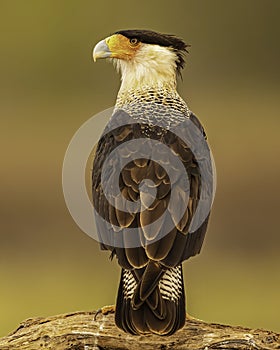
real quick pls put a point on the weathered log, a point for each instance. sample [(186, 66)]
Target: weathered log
[(96, 330)]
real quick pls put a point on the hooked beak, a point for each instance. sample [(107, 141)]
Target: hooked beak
[(101, 50)]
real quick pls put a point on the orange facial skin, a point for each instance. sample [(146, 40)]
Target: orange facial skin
[(122, 47)]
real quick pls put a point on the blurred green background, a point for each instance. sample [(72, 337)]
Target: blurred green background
[(50, 86)]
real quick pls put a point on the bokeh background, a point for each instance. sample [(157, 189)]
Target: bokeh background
[(50, 86)]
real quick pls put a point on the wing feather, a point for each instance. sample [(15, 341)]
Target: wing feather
[(179, 243)]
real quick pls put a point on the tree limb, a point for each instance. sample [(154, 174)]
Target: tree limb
[(96, 331)]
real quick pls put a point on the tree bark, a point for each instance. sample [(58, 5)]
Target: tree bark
[(96, 330)]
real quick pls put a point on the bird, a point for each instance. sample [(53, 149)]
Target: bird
[(151, 295)]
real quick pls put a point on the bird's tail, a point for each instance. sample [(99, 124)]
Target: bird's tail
[(151, 300)]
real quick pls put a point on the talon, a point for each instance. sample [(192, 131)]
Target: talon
[(96, 314)]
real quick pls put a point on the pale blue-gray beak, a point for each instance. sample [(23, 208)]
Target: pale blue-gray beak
[(101, 50)]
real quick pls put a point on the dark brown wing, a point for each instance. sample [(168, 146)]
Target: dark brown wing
[(178, 243)]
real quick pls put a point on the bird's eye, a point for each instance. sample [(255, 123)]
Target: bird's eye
[(133, 41)]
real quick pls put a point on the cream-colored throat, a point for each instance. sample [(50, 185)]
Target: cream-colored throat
[(152, 66)]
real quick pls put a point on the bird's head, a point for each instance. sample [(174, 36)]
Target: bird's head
[(143, 57)]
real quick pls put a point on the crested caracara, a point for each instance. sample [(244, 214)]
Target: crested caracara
[(151, 296)]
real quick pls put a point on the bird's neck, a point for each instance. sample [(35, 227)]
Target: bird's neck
[(152, 69), (146, 84), (165, 95), (147, 78), (146, 92)]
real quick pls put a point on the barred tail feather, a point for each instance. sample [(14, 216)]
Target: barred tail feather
[(158, 309)]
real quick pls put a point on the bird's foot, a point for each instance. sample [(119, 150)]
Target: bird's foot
[(105, 310)]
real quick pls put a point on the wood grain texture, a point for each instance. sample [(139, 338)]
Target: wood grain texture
[(96, 330)]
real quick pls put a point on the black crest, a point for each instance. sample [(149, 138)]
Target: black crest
[(167, 40)]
